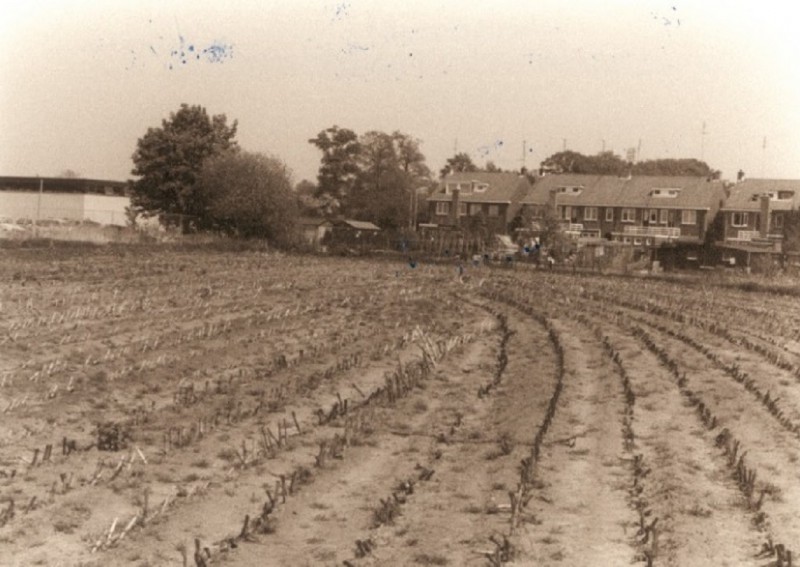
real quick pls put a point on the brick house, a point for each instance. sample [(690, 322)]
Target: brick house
[(494, 196), (644, 211), (756, 209)]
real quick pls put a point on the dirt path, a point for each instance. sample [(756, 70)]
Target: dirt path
[(581, 507)]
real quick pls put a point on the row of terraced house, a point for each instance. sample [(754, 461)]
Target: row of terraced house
[(647, 212)]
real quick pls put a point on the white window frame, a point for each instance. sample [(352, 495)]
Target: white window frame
[(652, 216), (494, 210), (566, 212), (628, 215), (744, 219), (662, 216), (609, 214), (474, 209), (462, 209), (590, 213), (443, 208), (688, 216), (777, 220)]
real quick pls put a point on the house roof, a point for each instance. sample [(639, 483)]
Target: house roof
[(312, 221), (741, 198), (62, 184), (637, 191), (503, 187), (360, 225)]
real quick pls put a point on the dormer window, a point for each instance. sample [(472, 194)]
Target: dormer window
[(665, 192), (479, 187), (774, 196), (571, 189)]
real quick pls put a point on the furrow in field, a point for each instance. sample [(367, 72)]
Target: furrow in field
[(581, 509), (702, 518)]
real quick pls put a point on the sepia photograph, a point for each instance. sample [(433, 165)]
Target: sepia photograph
[(363, 283)]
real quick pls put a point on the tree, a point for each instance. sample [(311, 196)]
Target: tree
[(339, 166), (608, 163), (492, 168), (249, 195), (676, 167), (791, 232), (391, 169), (604, 163), (168, 160), (69, 174), (459, 162), (552, 235)]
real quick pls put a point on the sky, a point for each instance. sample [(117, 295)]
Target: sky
[(509, 81)]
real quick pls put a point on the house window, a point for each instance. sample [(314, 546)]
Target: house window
[(590, 213), (688, 217), (778, 221), (462, 209), (739, 219), (637, 241), (652, 216), (538, 212), (494, 211), (662, 216), (450, 187), (443, 208), (609, 214), (566, 212), (474, 209), (628, 215)]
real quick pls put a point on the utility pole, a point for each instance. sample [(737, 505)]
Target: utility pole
[(703, 142), (39, 205), (524, 152), (763, 155)]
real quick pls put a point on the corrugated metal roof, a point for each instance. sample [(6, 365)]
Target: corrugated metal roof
[(741, 198)]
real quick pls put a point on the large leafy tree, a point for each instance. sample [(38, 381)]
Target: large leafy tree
[(608, 163), (391, 169), (249, 195), (604, 163), (683, 167), (339, 166), (168, 160), (459, 162)]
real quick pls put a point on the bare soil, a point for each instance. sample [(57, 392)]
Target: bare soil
[(189, 407)]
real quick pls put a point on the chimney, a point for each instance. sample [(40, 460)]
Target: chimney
[(764, 220), (454, 205)]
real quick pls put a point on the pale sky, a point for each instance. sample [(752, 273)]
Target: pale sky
[(81, 81)]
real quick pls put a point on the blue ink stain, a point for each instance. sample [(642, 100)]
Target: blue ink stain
[(342, 10), (191, 48)]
